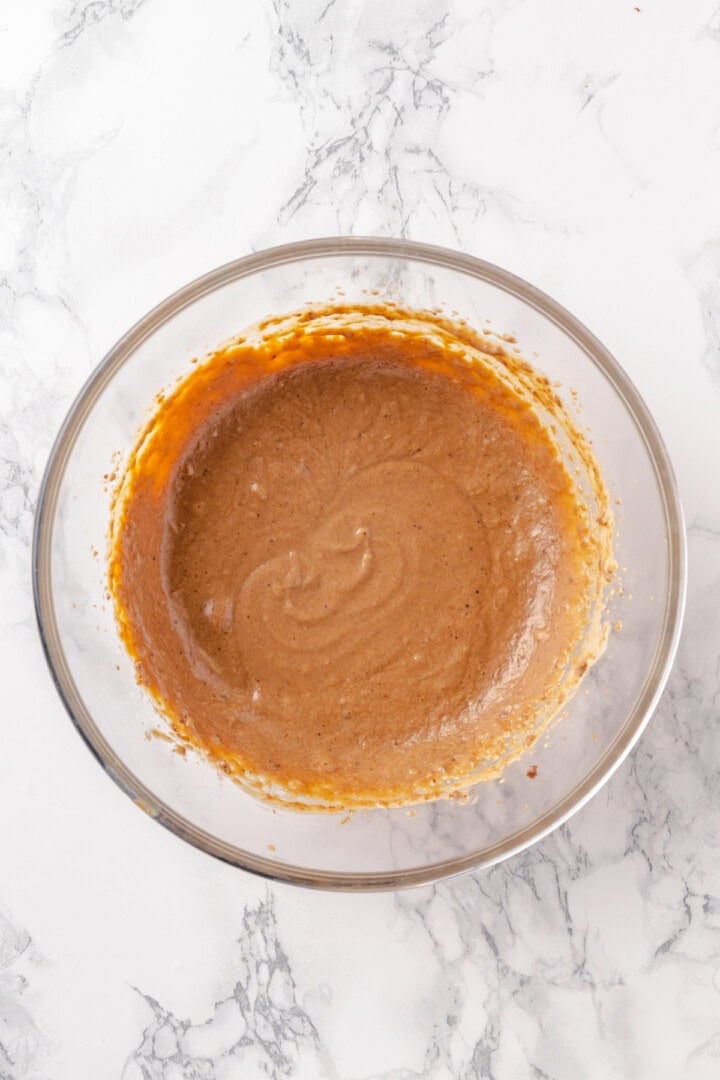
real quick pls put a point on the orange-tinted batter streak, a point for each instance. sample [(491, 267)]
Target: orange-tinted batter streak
[(350, 561)]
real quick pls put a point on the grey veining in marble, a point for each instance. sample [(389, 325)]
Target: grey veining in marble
[(260, 1026), (21, 1044), (143, 142)]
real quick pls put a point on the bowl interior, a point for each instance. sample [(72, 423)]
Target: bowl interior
[(378, 848)]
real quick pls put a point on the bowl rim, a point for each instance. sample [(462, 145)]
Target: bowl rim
[(332, 247)]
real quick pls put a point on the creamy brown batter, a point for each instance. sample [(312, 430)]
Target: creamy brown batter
[(350, 560)]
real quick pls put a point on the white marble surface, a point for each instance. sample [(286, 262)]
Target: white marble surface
[(146, 141)]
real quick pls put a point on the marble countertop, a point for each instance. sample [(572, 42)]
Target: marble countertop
[(578, 145)]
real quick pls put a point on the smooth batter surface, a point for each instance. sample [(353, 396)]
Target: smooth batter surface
[(352, 566)]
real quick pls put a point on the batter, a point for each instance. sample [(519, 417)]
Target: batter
[(350, 562)]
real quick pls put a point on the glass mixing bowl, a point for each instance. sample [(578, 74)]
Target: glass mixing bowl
[(374, 849)]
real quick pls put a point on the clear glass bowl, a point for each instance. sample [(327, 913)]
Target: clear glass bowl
[(377, 849)]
